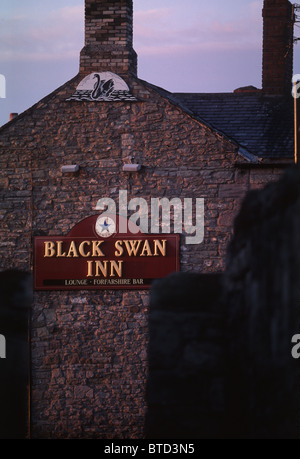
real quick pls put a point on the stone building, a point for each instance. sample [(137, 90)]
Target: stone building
[(89, 347)]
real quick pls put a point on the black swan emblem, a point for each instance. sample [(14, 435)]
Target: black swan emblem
[(102, 88)]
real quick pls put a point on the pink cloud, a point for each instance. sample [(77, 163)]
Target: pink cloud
[(157, 31), (154, 37), (58, 35)]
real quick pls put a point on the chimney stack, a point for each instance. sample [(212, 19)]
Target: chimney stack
[(278, 41), (108, 38), (278, 44)]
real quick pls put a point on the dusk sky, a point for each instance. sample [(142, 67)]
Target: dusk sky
[(183, 46)]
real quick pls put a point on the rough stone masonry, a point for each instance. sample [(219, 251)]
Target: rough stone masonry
[(89, 349)]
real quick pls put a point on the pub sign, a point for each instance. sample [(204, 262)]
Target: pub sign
[(94, 255)]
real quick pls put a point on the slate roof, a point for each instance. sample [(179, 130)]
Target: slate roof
[(261, 124)]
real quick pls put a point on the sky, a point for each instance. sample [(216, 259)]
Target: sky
[(182, 46)]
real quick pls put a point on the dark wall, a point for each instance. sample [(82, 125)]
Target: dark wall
[(185, 391), (262, 287), (15, 302), (220, 345)]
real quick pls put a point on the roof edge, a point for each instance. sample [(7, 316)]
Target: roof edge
[(250, 157), (173, 100), (34, 106)]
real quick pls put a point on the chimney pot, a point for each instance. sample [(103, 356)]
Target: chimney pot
[(13, 116)]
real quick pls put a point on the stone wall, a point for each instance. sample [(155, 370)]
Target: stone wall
[(89, 365), (180, 157)]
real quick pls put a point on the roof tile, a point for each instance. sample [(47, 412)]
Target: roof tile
[(262, 124)]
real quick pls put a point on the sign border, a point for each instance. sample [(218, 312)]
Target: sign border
[(104, 287)]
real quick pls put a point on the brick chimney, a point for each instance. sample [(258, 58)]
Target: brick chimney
[(108, 38), (278, 47)]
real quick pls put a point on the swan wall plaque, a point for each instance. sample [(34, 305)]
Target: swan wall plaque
[(102, 87)]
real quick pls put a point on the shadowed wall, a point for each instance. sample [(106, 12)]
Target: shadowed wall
[(15, 303), (220, 345)]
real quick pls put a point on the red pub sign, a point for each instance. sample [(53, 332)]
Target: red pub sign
[(94, 255)]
